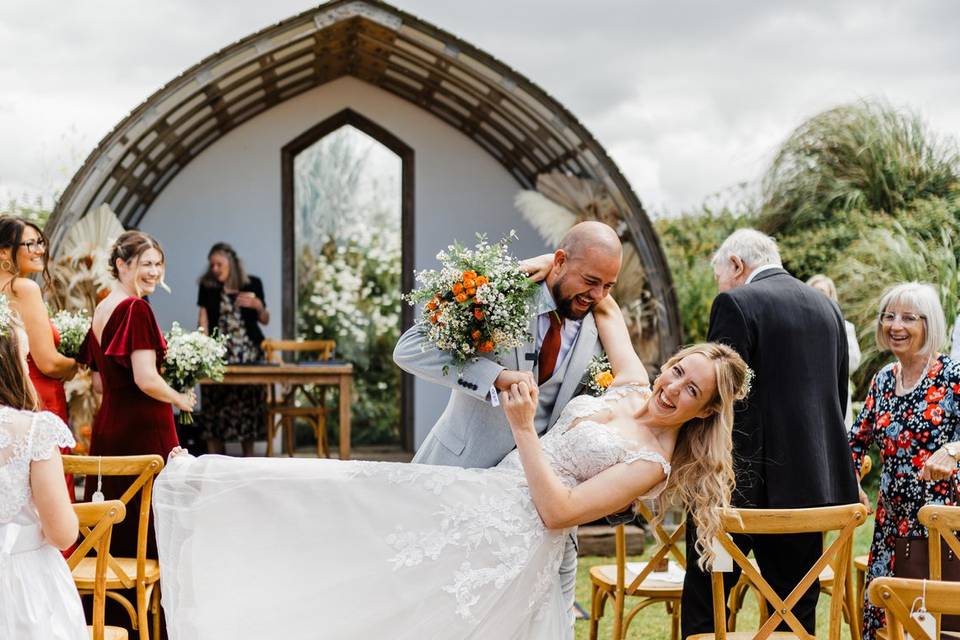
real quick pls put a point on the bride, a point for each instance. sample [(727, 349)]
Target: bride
[(303, 548)]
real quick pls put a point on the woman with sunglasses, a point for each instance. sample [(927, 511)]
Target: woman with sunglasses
[(912, 413), (23, 253)]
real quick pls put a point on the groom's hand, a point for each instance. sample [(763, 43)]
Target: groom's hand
[(520, 405), (508, 378)]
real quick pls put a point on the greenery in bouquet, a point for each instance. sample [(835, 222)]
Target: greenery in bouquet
[(72, 327), (478, 302), (599, 375), (192, 356)]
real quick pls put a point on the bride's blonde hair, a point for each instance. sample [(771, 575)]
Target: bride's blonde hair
[(702, 476)]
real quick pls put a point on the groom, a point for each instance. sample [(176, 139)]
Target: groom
[(473, 432)]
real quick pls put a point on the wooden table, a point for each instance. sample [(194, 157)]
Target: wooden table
[(332, 375)]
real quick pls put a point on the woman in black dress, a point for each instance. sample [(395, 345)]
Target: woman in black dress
[(231, 302)]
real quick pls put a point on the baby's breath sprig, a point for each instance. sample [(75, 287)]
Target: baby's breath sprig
[(6, 316), (191, 357)]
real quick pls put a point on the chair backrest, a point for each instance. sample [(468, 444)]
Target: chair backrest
[(897, 595), (142, 470), (96, 527), (274, 349), (942, 523), (667, 545), (844, 519)]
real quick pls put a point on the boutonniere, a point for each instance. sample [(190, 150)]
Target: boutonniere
[(599, 375)]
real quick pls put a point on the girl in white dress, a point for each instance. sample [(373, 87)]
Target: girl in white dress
[(38, 600), (301, 548)]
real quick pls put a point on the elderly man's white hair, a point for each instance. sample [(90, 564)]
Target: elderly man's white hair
[(751, 246)]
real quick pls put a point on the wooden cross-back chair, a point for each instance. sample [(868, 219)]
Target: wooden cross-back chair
[(96, 527), (140, 573), (942, 523), (618, 581), (852, 597), (281, 402), (897, 595), (843, 519)]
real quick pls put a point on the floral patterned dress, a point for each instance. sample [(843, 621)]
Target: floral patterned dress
[(234, 412), (907, 429)]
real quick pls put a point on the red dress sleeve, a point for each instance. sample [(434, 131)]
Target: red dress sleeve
[(136, 330), (85, 355)]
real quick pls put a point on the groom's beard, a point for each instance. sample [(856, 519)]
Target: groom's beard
[(565, 304)]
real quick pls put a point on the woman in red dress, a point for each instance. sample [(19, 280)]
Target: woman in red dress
[(23, 252), (125, 348)]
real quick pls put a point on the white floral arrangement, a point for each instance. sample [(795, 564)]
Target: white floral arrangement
[(73, 328), (192, 356), (6, 316), (479, 302), (599, 375)]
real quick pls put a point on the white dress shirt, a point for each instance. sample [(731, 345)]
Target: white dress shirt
[(758, 270), (568, 332)]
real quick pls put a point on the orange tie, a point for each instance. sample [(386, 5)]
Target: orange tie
[(550, 349)]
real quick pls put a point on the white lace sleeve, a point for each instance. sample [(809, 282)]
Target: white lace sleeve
[(648, 456), (617, 392), (47, 434)]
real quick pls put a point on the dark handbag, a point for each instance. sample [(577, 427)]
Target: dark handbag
[(911, 559)]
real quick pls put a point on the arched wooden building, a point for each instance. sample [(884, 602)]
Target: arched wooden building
[(210, 157)]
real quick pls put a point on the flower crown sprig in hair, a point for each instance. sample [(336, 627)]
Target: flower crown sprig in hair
[(6, 316), (744, 390)]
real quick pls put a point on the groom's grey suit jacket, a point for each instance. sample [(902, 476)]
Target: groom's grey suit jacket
[(471, 432)]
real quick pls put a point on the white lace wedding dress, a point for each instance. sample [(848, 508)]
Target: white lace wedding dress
[(37, 598), (300, 548)]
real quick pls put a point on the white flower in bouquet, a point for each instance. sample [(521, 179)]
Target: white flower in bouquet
[(72, 327), (192, 356), (6, 316), (479, 302)]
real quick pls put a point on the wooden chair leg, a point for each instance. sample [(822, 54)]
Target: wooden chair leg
[(156, 611), (271, 432), (674, 609), (289, 430), (850, 599), (618, 616), (595, 611), (142, 622), (737, 595)]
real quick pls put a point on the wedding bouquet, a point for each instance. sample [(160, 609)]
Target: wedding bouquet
[(72, 327), (599, 375), (479, 301), (191, 357)]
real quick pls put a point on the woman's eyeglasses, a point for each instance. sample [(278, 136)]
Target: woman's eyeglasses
[(33, 245), (905, 318)]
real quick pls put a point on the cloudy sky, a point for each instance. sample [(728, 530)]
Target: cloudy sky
[(690, 98)]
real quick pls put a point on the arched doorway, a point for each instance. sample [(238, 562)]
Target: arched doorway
[(347, 209)]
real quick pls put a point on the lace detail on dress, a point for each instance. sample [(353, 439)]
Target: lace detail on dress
[(649, 456), (501, 523), (22, 442)]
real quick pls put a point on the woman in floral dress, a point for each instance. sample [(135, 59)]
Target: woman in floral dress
[(231, 302), (911, 414)]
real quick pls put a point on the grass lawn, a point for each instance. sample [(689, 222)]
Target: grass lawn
[(653, 623)]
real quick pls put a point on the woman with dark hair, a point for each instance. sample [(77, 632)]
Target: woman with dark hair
[(23, 252), (125, 348), (231, 303), (38, 600)]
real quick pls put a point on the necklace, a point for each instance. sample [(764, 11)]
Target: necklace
[(923, 374)]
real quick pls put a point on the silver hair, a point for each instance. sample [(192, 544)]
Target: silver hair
[(754, 248), (923, 300)]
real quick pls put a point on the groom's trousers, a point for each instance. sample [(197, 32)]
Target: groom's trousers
[(568, 576), (783, 560)]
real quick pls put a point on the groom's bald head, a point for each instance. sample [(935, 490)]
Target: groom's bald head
[(585, 267)]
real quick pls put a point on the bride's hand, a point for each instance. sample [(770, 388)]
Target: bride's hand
[(520, 405), (537, 268)]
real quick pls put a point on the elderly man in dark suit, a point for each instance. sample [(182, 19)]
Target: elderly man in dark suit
[(789, 442)]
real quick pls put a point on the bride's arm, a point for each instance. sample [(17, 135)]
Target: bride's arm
[(559, 506), (626, 364)]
